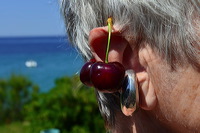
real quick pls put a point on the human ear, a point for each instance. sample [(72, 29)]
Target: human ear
[(98, 39), (126, 53)]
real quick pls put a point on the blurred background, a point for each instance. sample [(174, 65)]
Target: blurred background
[(39, 83)]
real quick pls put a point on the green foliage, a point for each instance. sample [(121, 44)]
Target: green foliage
[(16, 127), (69, 106), (15, 92)]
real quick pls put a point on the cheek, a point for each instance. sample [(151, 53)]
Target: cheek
[(178, 103), (185, 100)]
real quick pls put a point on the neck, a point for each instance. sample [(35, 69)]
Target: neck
[(141, 122)]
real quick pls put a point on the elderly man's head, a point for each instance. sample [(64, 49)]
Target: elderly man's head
[(160, 41)]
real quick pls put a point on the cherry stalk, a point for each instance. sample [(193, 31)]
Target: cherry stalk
[(109, 21)]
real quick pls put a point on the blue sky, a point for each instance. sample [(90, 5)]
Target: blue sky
[(30, 18)]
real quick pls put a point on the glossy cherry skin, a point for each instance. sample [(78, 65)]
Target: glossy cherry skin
[(85, 73), (107, 77)]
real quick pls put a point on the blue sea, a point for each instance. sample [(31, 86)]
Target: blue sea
[(54, 58)]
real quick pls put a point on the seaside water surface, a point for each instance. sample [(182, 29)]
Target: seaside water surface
[(54, 57)]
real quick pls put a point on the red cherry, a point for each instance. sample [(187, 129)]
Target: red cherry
[(85, 72), (107, 77)]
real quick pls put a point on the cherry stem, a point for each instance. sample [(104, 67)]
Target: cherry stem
[(109, 21)]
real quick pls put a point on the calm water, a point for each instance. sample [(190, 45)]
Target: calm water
[(53, 55)]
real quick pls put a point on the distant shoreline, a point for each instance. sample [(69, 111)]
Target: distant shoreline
[(32, 37)]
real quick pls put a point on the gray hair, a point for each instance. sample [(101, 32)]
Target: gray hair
[(171, 27)]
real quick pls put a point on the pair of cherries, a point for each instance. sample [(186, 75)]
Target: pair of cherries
[(105, 77)]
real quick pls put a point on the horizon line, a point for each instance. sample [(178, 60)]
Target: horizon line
[(34, 36)]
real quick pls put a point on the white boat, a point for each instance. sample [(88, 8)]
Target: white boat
[(31, 63)]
